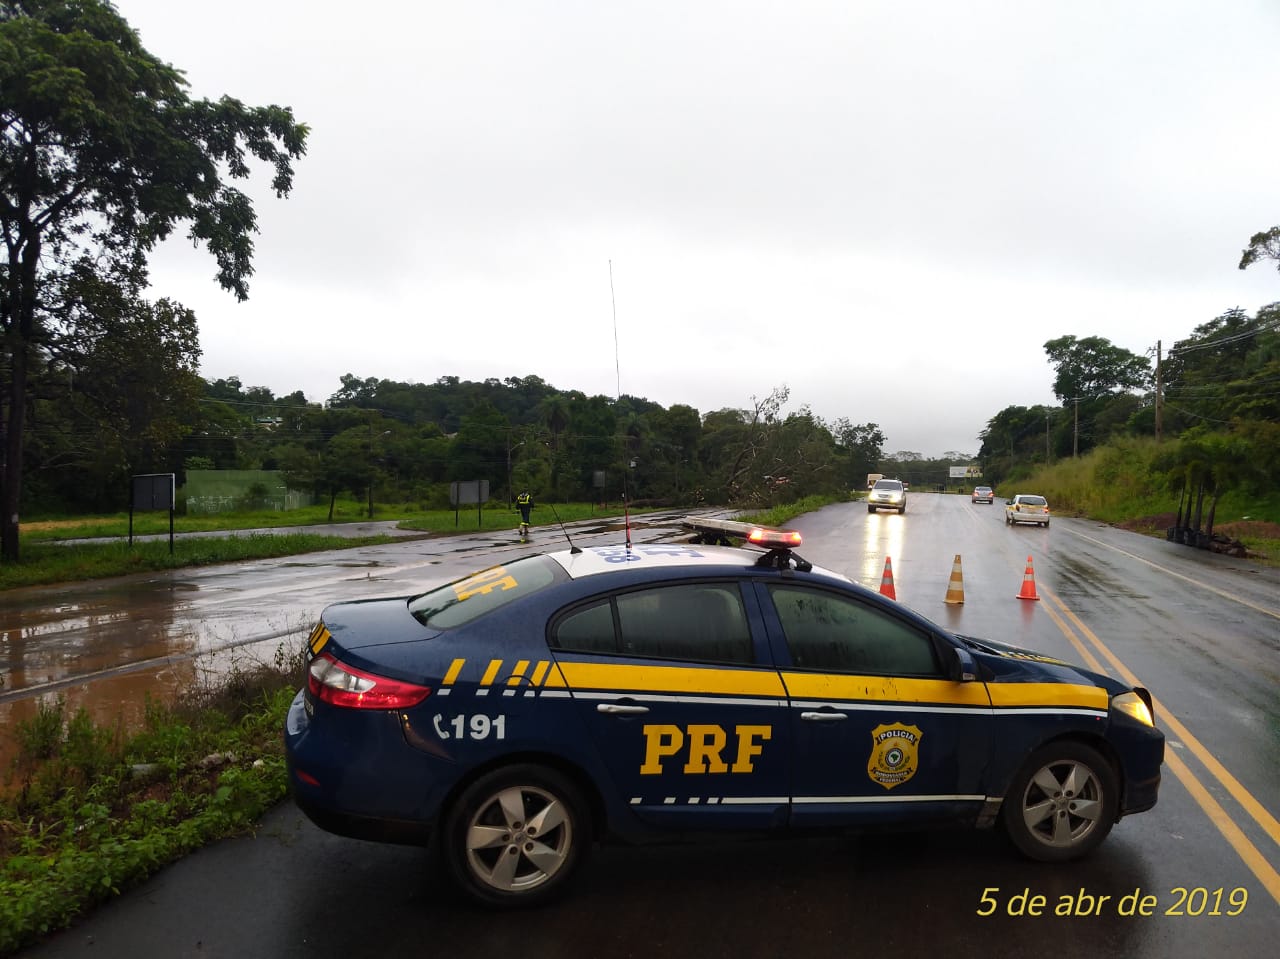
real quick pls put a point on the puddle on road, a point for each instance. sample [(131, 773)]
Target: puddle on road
[(102, 628), (118, 702)]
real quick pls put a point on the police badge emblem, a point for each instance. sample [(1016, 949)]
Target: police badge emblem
[(894, 754)]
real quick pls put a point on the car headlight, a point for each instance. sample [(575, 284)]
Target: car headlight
[(1131, 704)]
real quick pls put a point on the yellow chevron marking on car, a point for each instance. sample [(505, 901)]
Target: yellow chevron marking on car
[(540, 672), (485, 581), (517, 674), (491, 673), (671, 679), (319, 636), (451, 676), (1048, 694), (885, 688)]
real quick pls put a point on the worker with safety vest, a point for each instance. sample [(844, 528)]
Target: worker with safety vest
[(525, 503)]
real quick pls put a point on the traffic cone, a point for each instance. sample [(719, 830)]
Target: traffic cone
[(1029, 583), (886, 581), (955, 588)]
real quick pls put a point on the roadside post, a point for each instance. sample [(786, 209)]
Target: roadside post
[(468, 492), (152, 491)]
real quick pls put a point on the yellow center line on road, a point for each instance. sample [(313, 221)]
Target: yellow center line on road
[(1265, 611), (1248, 852)]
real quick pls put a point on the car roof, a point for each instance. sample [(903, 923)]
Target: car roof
[(687, 558)]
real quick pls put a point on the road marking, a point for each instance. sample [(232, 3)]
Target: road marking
[(1225, 594), (1247, 851)]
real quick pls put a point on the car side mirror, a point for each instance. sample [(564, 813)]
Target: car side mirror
[(963, 669)]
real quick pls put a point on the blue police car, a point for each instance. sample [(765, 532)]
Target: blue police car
[(519, 715)]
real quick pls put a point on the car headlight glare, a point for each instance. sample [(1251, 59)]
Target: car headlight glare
[(1133, 705)]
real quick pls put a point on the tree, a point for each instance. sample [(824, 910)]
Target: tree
[(116, 396), (1093, 366), (102, 155), (1262, 246)]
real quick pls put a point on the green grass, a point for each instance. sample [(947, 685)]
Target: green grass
[(43, 563), (1113, 484), (87, 811), (57, 528)]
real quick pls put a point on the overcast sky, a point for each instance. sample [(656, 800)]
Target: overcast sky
[(886, 207)]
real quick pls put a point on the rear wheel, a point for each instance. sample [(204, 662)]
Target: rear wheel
[(1062, 803), (516, 836)]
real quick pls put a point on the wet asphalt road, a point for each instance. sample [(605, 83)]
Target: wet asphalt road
[(1200, 630)]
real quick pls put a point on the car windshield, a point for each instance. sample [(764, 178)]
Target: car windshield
[(466, 599), (1032, 500), (888, 484)]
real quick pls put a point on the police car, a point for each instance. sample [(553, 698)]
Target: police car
[(519, 715)]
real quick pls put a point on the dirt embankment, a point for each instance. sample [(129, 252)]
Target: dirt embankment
[(1228, 537)]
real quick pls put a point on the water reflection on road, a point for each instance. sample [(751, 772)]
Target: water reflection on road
[(105, 645)]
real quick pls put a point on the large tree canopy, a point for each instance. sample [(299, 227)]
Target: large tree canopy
[(102, 155), (1093, 366)]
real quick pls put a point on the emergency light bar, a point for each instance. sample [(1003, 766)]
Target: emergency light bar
[(774, 538)]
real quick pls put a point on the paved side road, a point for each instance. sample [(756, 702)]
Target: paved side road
[(350, 530), (264, 895)]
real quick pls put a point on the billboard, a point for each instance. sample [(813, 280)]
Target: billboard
[(966, 472)]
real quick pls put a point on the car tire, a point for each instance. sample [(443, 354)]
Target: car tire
[(1062, 803), (871, 509), (1008, 520), (516, 836), (902, 510), (1045, 524)]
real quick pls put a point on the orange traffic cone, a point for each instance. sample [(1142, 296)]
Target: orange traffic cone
[(1029, 583), (955, 588), (886, 581)]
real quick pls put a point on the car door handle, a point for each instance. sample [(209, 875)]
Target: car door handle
[(824, 717), (617, 709)]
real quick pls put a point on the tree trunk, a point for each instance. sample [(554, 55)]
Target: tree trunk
[(333, 497), (1213, 508), (11, 497), (1195, 524)]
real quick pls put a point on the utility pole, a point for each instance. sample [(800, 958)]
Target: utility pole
[(1075, 433), (1046, 437), (1159, 397)]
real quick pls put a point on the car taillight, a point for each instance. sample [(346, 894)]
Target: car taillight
[(334, 682)]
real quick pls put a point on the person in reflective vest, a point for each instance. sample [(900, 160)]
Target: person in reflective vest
[(525, 503)]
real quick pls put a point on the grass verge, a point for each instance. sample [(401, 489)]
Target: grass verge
[(87, 811), (43, 563)]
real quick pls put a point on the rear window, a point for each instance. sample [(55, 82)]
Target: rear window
[(466, 599), (1033, 500)]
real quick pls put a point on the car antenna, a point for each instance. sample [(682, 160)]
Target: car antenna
[(617, 366), (572, 548)]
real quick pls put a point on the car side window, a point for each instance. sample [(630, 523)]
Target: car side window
[(702, 622), (588, 630), (832, 633)]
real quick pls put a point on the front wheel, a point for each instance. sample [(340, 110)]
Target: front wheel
[(871, 509), (1062, 803), (516, 835)]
